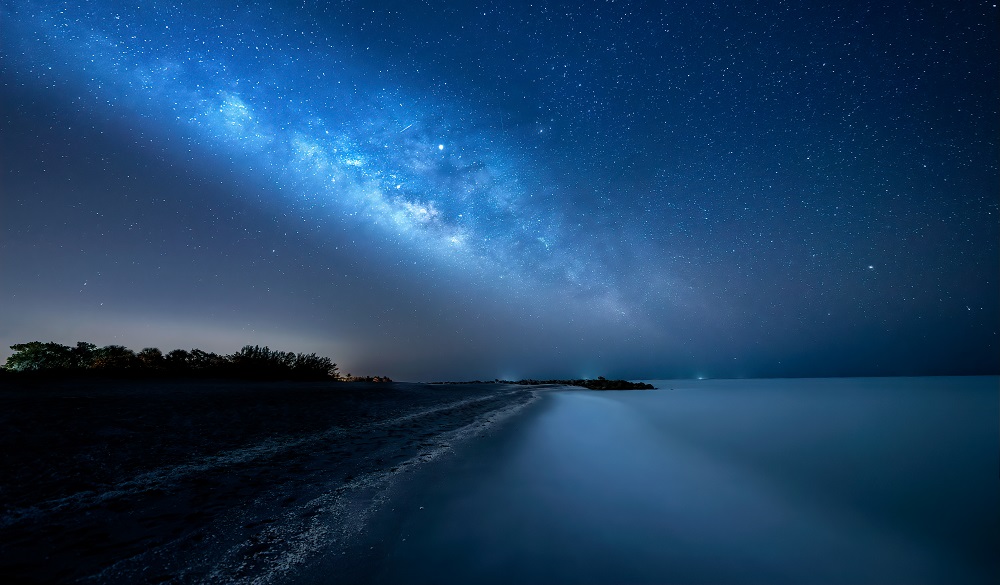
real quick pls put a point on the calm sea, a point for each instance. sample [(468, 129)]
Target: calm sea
[(863, 480)]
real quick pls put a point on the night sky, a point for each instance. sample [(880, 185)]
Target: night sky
[(452, 190)]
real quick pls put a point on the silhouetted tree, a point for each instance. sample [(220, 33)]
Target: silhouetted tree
[(177, 360), (263, 362), (205, 361), (151, 359), (115, 357), (83, 355), (36, 356), (314, 366), (256, 356), (260, 362)]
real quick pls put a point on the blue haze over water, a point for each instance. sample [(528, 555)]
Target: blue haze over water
[(851, 480)]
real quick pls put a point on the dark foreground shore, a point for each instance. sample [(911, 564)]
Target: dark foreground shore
[(223, 482)]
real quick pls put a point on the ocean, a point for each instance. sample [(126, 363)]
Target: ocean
[(850, 480)]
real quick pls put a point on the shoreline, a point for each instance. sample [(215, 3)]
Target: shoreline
[(221, 481), (378, 549)]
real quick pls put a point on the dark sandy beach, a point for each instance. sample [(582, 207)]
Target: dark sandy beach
[(228, 482)]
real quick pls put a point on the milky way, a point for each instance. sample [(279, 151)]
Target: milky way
[(343, 141), (692, 188)]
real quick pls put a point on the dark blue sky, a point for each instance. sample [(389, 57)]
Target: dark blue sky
[(445, 190)]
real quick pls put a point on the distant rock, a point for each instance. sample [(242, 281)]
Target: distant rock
[(603, 384)]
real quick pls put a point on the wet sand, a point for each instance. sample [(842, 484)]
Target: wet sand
[(224, 482)]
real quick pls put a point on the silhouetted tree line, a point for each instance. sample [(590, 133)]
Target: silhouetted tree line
[(253, 361), (378, 379)]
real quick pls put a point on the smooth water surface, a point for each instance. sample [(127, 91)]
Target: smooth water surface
[(869, 480)]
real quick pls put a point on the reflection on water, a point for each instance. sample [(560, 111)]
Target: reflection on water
[(776, 481)]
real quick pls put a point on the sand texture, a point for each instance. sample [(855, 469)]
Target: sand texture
[(222, 482)]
